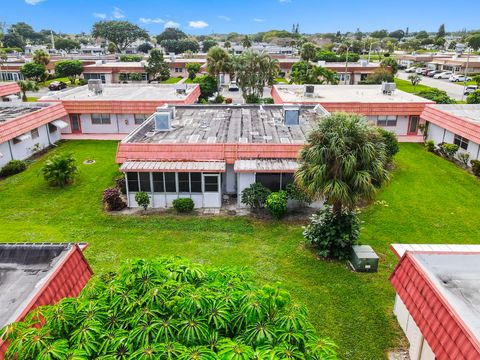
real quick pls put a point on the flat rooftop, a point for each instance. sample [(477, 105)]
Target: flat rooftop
[(468, 112), (345, 94), (132, 92), (457, 278), (24, 268), (12, 110), (217, 124)]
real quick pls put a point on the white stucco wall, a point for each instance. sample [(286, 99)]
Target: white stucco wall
[(400, 129), (119, 124), (244, 180), (230, 180)]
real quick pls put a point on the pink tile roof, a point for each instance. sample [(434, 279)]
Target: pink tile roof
[(9, 88)]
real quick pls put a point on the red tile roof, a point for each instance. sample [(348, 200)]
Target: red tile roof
[(69, 278), (30, 121), (9, 88), (439, 323)]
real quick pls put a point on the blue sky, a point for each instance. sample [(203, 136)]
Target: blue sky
[(244, 16)]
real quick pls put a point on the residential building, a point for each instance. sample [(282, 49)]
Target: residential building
[(208, 152), (395, 110), (34, 275), (437, 302), (457, 64), (409, 60), (455, 124), (26, 128), (9, 91), (117, 108)]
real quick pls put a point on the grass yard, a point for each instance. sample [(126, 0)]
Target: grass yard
[(406, 85), (428, 200), (172, 80)]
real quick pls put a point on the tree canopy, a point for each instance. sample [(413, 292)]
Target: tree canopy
[(121, 33), (171, 34), (156, 66), (33, 71), (305, 73), (170, 308), (180, 46), (69, 68), (41, 57), (66, 44)]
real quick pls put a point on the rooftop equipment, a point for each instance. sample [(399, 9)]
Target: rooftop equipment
[(309, 90), (163, 118), (181, 89), (95, 86), (291, 114), (363, 259), (388, 88)]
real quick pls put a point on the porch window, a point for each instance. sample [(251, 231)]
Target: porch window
[(274, 181), (170, 182), (184, 182), (132, 181), (211, 183), (51, 128), (34, 133), (144, 178), (387, 120), (100, 119), (461, 142), (140, 118), (158, 182), (138, 181)]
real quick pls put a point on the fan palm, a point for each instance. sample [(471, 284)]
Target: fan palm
[(217, 62), (27, 85), (60, 170), (344, 161)]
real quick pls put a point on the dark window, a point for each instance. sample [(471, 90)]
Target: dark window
[(51, 128), (140, 118), (390, 120), (461, 142), (170, 183), (132, 180), (100, 119), (34, 133), (211, 183), (144, 181), (158, 184), (196, 182), (183, 182), (287, 178), (269, 180)]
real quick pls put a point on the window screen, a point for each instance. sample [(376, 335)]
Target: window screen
[(170, 183), (183, 182), (158, 184), (211, 183), (100, 119), (461, 142), (140, 118), (132, 180), (269, 180), (287, 178), (144, 181), (196, 182)]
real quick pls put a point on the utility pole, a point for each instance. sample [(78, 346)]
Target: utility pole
[(465, 74), (346, 66)]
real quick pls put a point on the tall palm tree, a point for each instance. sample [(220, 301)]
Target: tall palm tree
[(27, 85), (323, 75), (41, 57), (246, 42), (344, 161), (218, 61)]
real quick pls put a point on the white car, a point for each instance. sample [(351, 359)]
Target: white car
[(458, 78), (233, 86), (443, 75), (420, 70), (410, 69)]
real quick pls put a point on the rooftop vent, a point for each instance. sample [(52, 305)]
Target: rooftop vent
[(309, 90), (181, 89), (163, 118), (95, 86), (321, 63), (172, 56), (363, 63), (388, 88), (291, 114)]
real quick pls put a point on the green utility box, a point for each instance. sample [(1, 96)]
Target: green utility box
[(364, 259)]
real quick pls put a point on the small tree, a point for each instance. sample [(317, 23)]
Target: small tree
[(142, 199), (464, 158), (208, 86), (474, 97), (33, 71), (69, 68), (66, 44), (121, 33), (415, 80), (476, 78), (276, 204), (60, 170), (27, 85), (255, 196), (218, 62), (144, 48), (193, 69), (391, 143), (308, 51), (41, 57), (246, 42), (156, 67)]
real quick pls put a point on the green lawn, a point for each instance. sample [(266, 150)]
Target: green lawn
[(172, 80), (31, 99), (281, 80), (428, 200), (406, 85), (188, 81)]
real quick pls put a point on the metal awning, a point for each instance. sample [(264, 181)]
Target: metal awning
[(59, 124), (23, 137), (174, 166), (266, 165)]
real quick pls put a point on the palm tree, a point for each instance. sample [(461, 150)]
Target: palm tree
[(60, 170), (41, 57), (344, 161), (246, 42), (27, 85), (218, 61), (308, 51), (323, 75)]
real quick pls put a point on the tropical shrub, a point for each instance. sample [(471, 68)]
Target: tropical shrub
[(475, 167), (463, 157), (121, 184), (430, 145), (448, 150), (142, 199), (131, 58), (276, 204), (112, 199), (13, 167), (437, 95), (474, 97), (170, 308), (331, 234), (219, 99), (60, 170), (294, 192), (391, 143), (183, 205), (255, 195)]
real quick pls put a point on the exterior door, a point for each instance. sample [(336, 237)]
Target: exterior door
[(212, 195), (75, 124), (413, 125)]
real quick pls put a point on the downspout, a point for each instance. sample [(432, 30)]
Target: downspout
[(48, 134), (10, 148), (118, 126)]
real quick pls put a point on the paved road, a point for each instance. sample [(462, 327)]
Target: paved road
[(237, 97), (455, 91)]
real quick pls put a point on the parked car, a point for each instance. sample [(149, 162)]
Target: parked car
[(433, 72), (57, 85), (233, 86), (443, 75), (458, 78), (420, 70), (425, 72), (470, 89), (411, 69)]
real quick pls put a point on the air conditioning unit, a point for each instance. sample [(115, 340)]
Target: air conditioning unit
[(291, 114), (309, 90), (163, 121), (181, 89), (95, 86), (388, 88), (363, 63), (363, 259), (321, 63)]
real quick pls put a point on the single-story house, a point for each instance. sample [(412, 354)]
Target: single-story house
[(408, 60), (396, 110), (9, 91), (34, 275), (437, 302), (457, 64), (455, 124), (26, 128), (208, 152), (117, 108)]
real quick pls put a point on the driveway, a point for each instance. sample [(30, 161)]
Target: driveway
[(455, 91), (237, 96)]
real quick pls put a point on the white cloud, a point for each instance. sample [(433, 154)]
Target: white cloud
[(223, 17), (258, 20), (100, 15), (117, 13), (199, 24), (151, 21), (33, 2), (171, 24)]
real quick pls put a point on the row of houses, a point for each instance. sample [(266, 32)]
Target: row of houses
[(445, 62)]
